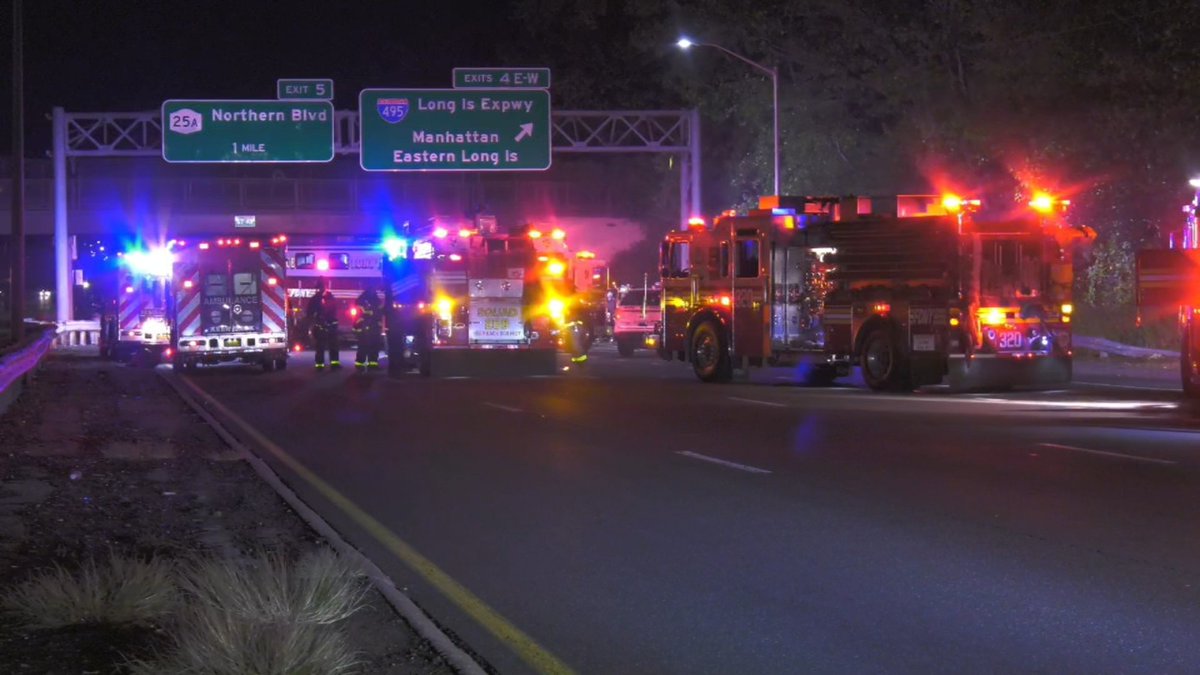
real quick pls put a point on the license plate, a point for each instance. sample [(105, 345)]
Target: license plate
[(1010, 340)]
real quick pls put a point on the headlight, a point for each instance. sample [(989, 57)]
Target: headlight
[(557, 309)]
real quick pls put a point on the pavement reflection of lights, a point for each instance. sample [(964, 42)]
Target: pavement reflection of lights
[(1084, 405)]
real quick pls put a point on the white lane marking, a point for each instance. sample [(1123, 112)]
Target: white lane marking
[(758, 402), (501, 406), (1124, 386), (457, 377), (1136, 458), (733, 465)]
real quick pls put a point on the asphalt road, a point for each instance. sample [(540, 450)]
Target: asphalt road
[(626, 518)]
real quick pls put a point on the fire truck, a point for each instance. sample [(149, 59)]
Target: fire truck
[(135, 320), (347, 266), (913, 289), (572, 278), (467, 300), (229, 302), (1168, 283)]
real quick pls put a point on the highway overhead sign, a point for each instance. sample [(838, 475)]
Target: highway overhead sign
[(202, 131), (299, 89), (454, 130), (501, 78)]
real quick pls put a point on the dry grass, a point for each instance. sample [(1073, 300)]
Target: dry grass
[(264, 615), (318, 589), (120, 590), (212, 642)]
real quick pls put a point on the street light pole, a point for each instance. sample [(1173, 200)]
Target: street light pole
[(773, 72), (17, 183)]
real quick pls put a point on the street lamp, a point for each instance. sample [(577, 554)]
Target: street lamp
[(686, 43)]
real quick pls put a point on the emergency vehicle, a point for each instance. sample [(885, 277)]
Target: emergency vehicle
[(914, 289), (135, 316), (1168, 283), (467, 300), (571, 279), (229, 302), (347, 265), (638, 320)]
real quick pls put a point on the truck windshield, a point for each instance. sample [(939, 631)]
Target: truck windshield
[(634, 298), (1012, 269)]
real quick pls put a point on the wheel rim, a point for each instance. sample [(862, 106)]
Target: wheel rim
[(706, 351), (879, 359)]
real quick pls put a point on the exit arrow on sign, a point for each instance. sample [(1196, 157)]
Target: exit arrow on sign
[(526, 131)]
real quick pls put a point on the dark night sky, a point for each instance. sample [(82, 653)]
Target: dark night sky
[(117, 55)]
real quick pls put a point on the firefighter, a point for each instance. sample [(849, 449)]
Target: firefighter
[(322, 315), (368, 329)]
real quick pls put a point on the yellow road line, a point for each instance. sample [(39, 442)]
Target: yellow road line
[(524, 646)]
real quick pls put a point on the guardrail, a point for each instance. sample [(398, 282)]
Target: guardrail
[(1106, 346), (16, 365)]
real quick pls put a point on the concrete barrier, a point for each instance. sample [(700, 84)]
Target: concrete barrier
[(77, 334)]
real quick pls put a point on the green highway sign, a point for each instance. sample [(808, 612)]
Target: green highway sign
[(303, 90), (501, 78), (247, 131), (454, 130)]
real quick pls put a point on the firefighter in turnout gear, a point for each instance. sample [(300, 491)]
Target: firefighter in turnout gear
[(368, 329), (322, 314)]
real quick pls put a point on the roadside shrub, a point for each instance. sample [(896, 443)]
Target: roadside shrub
[(119, 590), (264, 615)]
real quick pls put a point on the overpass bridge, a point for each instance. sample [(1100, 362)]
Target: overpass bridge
[(107, 177)]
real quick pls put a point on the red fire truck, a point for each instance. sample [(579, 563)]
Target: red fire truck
[(466, 300), (347, 265), (135, 316), (913, 289), (1168, 283), (229, 302)]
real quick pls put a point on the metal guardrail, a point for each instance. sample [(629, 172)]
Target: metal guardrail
[(16, 364)]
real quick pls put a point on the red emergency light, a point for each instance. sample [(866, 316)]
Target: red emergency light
[(323, 265), (255, 244), (272, 281), (204, 246)]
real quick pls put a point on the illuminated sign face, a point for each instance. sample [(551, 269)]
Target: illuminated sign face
[(423, 250)]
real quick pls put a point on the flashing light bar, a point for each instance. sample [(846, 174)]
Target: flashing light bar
[(558, 234), (695, 221), (323, 265), (535, 234), (464, 233), (1045, 203), (441, 233)]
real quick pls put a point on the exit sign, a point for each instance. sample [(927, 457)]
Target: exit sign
[(303, 90), (501, 78)]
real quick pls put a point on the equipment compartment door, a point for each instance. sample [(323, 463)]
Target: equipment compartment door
[(750, 329)]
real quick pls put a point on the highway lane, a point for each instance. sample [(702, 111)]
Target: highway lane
[(804, 529)]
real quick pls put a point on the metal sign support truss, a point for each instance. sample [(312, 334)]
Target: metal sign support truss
[(139, 134)]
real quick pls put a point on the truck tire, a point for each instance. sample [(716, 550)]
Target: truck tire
[(268, 365), (883, 365), (709, 353), (1187, 363), (625, 347)]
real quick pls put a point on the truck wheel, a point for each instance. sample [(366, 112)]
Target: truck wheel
[(710, 354), (268, 365), (882, 362), (625, 347), (1187, 364)]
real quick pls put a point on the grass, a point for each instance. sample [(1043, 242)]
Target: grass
[(264, 615), (1120, 325), (121, 590)]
